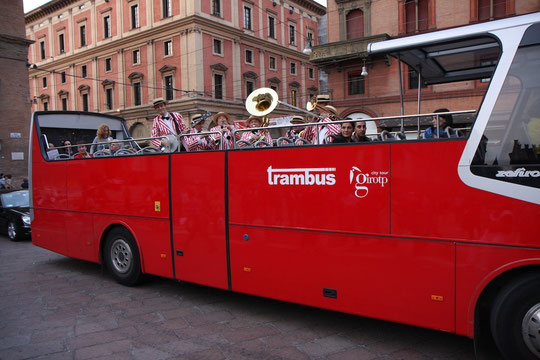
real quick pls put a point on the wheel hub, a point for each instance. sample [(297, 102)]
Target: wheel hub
[(530, 329), (121, 256), (12, 232)]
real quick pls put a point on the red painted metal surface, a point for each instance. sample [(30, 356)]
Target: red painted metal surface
[(430, 201), (264, 188), (401, 280), (198, 218), (476, 266)]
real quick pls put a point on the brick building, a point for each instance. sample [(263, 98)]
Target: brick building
[(116, 56), (14, 96), (352, 25)]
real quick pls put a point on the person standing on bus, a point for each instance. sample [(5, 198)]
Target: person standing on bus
[(359, 134), (103, 136), (224, 126), (196, 143), (255, 135), (327, 114), (445, 121), (165, 123)]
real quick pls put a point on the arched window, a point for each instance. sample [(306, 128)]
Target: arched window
[(355, 24)]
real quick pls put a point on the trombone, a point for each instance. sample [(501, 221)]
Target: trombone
[(263, 101)]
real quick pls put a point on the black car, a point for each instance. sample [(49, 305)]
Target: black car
[(15, 214)]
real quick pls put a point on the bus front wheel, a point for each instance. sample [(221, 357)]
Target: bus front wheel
[(122, 257), (515, 318)]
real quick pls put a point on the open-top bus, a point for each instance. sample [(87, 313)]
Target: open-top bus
[(436, 233)]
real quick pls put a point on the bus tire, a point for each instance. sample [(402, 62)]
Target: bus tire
[(122, 257), (515, 318), (13, 231)]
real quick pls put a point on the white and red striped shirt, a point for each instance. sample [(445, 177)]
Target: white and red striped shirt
[(162, 127), (227, 138), (310, 134), (195, 143), (250, 137)]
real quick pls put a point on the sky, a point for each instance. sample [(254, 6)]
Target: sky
[(32, 4)]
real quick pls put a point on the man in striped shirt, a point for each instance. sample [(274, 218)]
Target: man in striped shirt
[(196, 143), (327, 113), (165, 123)]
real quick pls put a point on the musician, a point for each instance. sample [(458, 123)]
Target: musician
[(294, 133), (255, 135), (359, 134), (196, 143), (165, 123), (327, 114), (225, 126)]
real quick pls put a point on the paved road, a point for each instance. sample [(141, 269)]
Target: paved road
[(53, 307)]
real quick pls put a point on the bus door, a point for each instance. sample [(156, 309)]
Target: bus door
[(198, 217)]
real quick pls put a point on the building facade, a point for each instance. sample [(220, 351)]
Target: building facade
[(353, 24), (14, 93), (116, 56)]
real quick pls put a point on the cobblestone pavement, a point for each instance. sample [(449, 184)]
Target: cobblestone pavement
[(54, 307)]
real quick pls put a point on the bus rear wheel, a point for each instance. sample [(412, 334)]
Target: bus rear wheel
[(515, 319), (122, 257)]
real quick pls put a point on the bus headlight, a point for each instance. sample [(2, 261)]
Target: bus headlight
[(26, 219)]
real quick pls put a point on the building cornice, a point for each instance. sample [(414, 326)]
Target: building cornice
[(15, 40), (46, 9)]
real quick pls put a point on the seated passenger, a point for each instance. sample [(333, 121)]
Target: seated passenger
[(68, 149), (445, 121), (103, 135), (196, 143), (255, 135), (327, 114), (226, 128), (114, 147), (82, 151), (345, 136), (359, 134)]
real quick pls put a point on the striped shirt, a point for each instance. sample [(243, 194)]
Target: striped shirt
[(195, 143), (310, 134), (160, 127), (247, 136), (228, 140)]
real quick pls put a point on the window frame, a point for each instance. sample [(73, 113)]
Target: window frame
[(292, 34), (109, 105), (42, 50), (251, 54), (61, 43), (292, 66), (136, 57), (63, 78), (362, 88), (82, 35), (166, 9), (270, 57), (214, 88), (134, 16), (168, 90), (44, 82), (167, 48), (272, 28), (84, 71), (137, 93), (214, 41), (107, 26), (250, 18), (216, 4), (108, 64)]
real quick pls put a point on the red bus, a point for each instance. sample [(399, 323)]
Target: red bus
[(437, 233)]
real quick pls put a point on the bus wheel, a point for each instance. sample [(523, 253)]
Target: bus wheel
[(515, 318), (122, 257)]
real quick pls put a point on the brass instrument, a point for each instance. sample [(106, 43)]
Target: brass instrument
[(263, 101)]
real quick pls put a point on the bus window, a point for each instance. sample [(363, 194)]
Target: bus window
[(510, 147)]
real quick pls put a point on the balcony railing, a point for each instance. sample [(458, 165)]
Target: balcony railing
[(344, 50)]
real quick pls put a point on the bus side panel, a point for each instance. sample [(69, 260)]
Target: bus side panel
[(49, 184), (131, 185), (49, 230), (198, 216), (81, 241), (401, 280), (339, 188), (477, 265), (152, 236), (425, 178)]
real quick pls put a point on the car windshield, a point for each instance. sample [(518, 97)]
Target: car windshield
[(16, 199)]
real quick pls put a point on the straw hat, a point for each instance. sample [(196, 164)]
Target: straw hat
[(331, 109), (158, 101), (252, 117), (221, 113), (297, 119)]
